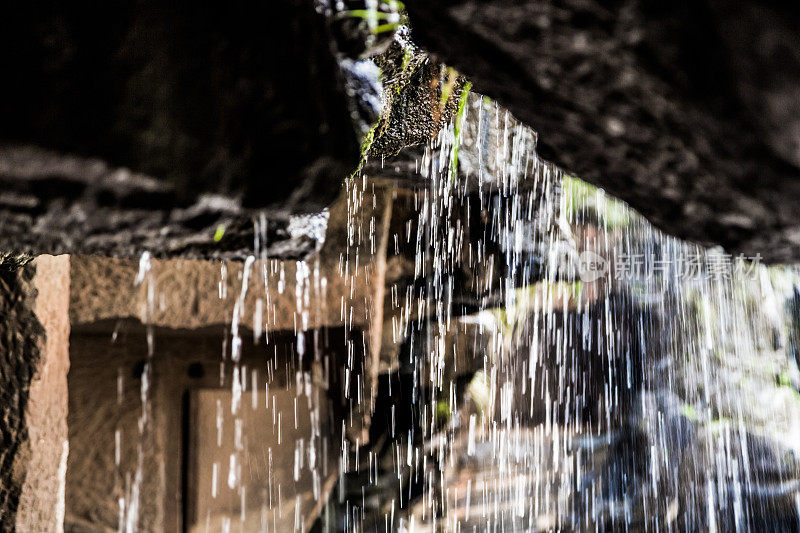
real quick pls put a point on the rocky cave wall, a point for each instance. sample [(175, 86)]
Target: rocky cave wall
[(20, 332)]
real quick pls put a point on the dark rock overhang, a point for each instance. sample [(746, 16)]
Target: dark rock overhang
[(689, 111)]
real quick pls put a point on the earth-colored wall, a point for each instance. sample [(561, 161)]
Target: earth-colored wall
[(34, 331), (41, 506)]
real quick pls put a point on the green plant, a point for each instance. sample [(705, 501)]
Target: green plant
[(457, 128), (581, 198), (391, 19), (219, 233), (690, 412)]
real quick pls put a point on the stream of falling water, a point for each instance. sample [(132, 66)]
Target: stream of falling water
[(556, 363), (630, 381)]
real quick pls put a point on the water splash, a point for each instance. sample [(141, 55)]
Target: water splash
[(626, 379), (517, 351), (131, 494)]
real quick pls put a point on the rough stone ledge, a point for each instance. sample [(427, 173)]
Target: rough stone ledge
[(54, 204)]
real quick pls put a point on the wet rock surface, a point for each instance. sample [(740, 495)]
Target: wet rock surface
[(421, 97), (687, 112)]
